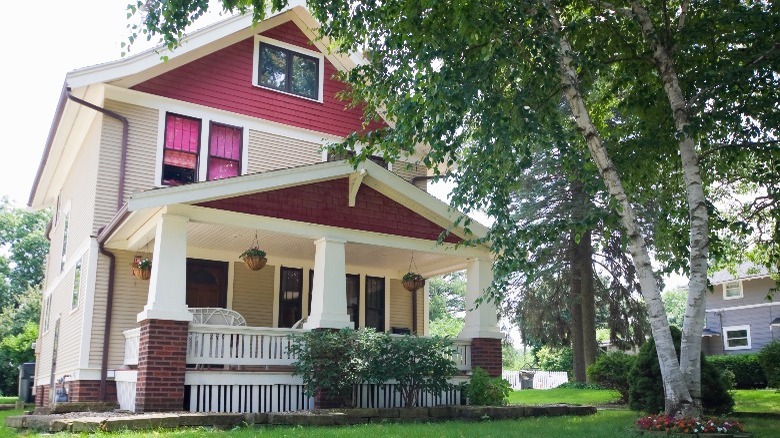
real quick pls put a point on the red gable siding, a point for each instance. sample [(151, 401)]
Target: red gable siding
[(223, 80), (325, 203)]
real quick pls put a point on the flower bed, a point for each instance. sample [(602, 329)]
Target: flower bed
[(665, 424)]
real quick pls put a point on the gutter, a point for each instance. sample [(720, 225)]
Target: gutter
[(105, 231)]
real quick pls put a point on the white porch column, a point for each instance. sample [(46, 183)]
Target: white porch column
[(329, 291), (481, 322), (168, 284)]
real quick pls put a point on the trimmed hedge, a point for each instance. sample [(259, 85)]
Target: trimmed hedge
[(748, 373)]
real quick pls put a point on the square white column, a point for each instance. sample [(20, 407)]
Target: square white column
[(482, 321), (168, 283), (329, 290)]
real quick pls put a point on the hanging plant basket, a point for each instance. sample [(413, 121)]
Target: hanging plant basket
[(413, 281), (254, 258), (142, 267)]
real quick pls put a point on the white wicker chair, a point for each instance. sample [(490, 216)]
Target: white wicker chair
[(217, 316)]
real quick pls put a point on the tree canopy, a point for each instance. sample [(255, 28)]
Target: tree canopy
[(676, 102)]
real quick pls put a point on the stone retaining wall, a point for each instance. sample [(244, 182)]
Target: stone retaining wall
[(330, 417)]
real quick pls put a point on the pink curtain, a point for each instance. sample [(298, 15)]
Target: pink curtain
[(224, 151), (182, 134)]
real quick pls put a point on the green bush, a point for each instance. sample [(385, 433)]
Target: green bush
[(611, 371), (769, 358), (748, 373), (549, 359), (646, 392), (483, 390), (417, 364), (580, 385), (333, 362)]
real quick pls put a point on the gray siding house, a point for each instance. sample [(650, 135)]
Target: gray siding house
[(740, 318)]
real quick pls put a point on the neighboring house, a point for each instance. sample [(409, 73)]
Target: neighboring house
[(191, 161), (740, 319)]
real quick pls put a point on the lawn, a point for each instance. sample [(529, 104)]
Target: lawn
[(757, 400), (8, 400), (564, 395)]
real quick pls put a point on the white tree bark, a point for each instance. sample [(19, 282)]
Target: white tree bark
[(690, 351), (677, 396)]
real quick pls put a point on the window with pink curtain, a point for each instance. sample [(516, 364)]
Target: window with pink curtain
[(224, 151), (180, 155)]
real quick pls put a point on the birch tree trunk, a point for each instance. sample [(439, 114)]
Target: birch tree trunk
[(693, 324), (676, 394)]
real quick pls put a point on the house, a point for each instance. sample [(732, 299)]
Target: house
[(190, 162), (739, 317)]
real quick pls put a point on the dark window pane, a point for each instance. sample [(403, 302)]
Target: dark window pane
[(290, 296), (273, 67), (375, 303), (353, 298), (304, 76)]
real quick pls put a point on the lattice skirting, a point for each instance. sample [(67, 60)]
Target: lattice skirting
[(247, 398), (388, 396)]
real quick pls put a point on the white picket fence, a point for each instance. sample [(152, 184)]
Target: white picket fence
[(541, 379)]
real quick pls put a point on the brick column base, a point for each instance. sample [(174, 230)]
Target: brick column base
[(89, 391), (486, 354), (41, 396), (161, 366)]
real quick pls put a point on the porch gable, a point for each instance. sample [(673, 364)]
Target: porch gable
[(327, 203)]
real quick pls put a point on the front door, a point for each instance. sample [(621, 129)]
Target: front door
[(206, 283)]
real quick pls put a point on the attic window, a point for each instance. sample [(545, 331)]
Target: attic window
[(288, 68), (732, 290)]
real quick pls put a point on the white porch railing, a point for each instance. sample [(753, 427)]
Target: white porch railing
[(132, 345), (462, 354), (226, 345)]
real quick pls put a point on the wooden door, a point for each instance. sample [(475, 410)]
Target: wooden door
[(206, 283)]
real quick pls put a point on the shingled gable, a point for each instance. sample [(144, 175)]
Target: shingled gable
[(228, 72), (319, 194), (325, 203)]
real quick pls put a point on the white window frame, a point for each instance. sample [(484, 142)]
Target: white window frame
[(77, 279), (64, 246), (46, 312), (293, 48), (206, 119), (735, 328), (726, 286)]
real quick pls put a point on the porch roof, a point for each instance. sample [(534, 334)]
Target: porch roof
[(231, 232)]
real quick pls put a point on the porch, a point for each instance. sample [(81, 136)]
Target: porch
[(338, 242), (248, 369)]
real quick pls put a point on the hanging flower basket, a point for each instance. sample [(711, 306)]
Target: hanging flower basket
[(142, 267), (413, 281), (254, 258)]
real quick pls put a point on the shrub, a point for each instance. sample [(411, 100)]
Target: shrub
[(483, 390), (417, 364), (549, 359), (748, 373), (769, 358), (334, 361), (611, 371), (580, 385), (646, 391)]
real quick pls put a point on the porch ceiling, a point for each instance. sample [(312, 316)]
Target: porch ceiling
[(203, 238)]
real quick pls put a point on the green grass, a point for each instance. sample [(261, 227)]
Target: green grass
[(564, 395), (757, 400), (8, 400), (7, 431)]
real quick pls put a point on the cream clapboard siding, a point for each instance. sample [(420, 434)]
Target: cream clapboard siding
[(253, 295), (69, 345), (409, 171), (270, 152), (141, 157), (401, 307), (130, 295), (76, 203)]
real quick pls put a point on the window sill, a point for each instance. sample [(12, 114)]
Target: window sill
[(286, 93)]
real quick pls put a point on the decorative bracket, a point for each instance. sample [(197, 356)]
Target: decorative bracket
[(355, 180)]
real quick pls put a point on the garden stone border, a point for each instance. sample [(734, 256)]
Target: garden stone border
[(94, 422)]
